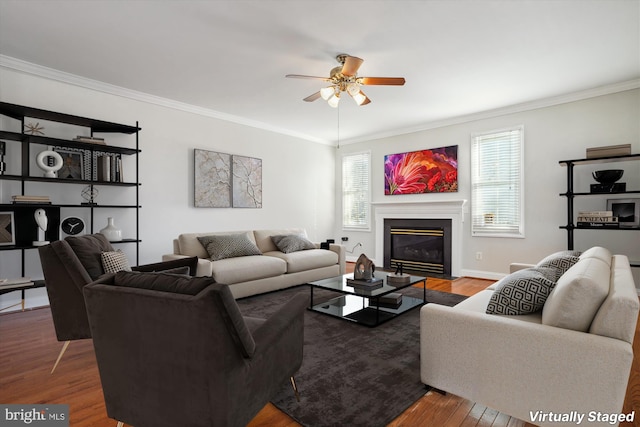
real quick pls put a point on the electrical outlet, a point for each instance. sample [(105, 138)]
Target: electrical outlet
[(345, 239), (478, 256)]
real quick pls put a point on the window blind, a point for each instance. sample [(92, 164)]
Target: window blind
[(355, 190), (497, 183)]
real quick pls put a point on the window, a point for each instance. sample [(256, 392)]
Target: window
[(497, 200), (355, 191)]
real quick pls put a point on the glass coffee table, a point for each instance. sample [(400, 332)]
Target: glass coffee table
[(369, 307)]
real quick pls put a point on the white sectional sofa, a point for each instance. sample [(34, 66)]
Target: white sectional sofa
[(572, 357), (269, 269)]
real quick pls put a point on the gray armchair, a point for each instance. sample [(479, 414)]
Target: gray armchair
[(70, 264), (175, 351)]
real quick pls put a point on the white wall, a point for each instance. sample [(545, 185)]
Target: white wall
[(553, 133), (298, 176)]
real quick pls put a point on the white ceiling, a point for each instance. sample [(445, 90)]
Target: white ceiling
[(229, 57)]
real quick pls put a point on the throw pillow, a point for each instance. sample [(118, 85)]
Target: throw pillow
[(114, 261), (221, 246), (522, 292), (560, 261), (292, 243)]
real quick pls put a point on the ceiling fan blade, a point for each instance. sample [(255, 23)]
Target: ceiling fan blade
[(351, 65), (313, 97), (300, 76), (366, 100), (393, 81)]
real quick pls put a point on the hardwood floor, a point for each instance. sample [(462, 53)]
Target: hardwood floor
[(29, 349)]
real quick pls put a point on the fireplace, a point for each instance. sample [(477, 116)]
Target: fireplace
[(453, 210), (422, 246)]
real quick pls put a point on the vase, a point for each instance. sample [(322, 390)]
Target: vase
[(111, 232)]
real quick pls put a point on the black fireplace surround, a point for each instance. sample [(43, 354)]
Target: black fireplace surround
[(423, 246)]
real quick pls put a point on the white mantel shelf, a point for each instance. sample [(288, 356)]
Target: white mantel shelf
[(454, 210)]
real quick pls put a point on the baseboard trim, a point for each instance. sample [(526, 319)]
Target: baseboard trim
[(479, 274)]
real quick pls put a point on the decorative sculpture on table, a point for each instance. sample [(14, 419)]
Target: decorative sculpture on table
[(364, 268), (41, 219)]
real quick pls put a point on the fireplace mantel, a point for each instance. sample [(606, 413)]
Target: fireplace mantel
[(455, 210)]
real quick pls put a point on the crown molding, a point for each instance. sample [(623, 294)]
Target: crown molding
[(511, 109), (64, 77), (72, 79)]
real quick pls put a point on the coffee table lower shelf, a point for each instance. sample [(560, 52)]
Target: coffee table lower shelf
[(361, 310)]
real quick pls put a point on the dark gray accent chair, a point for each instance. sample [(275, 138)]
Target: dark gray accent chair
[(175, 351), (70, 264)]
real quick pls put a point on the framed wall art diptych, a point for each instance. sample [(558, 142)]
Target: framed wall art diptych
[(425, 171), (227, 181)]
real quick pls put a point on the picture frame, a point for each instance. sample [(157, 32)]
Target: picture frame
[(212, 179), (627, 211), (73, 162), (7, 229), (433, 170)]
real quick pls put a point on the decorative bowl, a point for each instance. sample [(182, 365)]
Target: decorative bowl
[(608, 176)]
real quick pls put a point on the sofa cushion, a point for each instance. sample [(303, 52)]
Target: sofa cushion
[(522, 292), (164, 282), (560, 261), (578, 295), (114, 261), (598, 252), (306, 260), (244, 269), (288, 243), (263, 237), (222, 246), (618, 314)]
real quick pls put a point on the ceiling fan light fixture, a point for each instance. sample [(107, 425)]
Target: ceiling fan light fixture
[(353, 88), (334, 100), (359, 97), (327, 92)]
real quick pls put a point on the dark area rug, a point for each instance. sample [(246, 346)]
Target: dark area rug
[(352, 374)]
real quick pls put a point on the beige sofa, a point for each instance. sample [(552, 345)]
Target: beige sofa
[(572, 358), (270, 271)]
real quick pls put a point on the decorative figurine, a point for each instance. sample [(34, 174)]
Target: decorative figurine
[(41, 219), (364, 268)]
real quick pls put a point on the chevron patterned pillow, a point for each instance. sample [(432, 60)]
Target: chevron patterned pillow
[(522, 292)]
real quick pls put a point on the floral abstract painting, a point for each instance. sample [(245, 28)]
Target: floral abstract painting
[(425, 171)]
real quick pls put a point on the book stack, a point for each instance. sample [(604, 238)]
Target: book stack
[(609, 151), (90, 139), (41, 200), (365, 284), (597, 219), (109, 168), (392, 300)]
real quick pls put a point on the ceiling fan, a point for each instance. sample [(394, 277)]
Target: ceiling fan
[(344, 78)]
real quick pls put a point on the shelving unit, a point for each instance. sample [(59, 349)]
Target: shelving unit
[(26, 175), (571, 195)]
